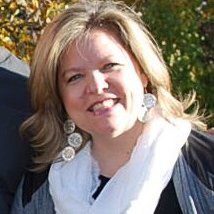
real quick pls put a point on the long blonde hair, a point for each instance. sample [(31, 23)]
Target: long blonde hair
[(44, 128)]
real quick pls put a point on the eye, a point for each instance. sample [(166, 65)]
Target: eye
[(74, 78), (110, 67)]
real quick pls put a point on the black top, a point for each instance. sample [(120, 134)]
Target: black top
[(163, 207), (168, 202), (103, 181)]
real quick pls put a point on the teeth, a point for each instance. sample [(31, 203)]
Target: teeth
[(105, 104)]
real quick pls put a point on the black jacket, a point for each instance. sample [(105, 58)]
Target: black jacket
[(14, 108)]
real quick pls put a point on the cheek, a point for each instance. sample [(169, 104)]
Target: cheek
[(135, 93), (129, 84), (70, 101), (134, 83)]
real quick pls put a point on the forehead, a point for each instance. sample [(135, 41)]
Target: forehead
[(98, 44)]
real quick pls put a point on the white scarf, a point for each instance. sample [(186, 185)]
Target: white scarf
[(135, 188)]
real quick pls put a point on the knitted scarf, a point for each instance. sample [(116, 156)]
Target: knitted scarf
[(135, 188)]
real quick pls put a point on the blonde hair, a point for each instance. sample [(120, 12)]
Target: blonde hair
[(45, 127)]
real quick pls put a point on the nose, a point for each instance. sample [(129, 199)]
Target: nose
[(97, 82)]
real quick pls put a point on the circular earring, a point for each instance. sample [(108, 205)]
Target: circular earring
[(68, 153), (74, 140), (149, 101)]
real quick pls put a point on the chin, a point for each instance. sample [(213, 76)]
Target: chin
[(106, 132)]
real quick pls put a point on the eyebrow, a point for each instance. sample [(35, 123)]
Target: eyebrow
[(76, 69), (71, 69)]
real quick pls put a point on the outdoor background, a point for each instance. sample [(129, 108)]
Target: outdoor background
[(184, 30)]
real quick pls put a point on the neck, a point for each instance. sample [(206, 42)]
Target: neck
[(112, 153)]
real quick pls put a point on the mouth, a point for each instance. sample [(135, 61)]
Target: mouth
[(103, 105)]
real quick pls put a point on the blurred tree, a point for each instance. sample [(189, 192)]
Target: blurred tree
[(184, 30), (22, 21)]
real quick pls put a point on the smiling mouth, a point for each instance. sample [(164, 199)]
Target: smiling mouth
[(105, 104)]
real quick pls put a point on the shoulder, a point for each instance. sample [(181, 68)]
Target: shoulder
[(198, 152), (33, 194), (33, 182), (12, 63)]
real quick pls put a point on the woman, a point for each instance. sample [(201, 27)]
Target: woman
[(108, 135)]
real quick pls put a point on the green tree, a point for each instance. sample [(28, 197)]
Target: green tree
[(178, 28)]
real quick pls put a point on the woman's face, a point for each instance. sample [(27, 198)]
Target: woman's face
[(100, 85)]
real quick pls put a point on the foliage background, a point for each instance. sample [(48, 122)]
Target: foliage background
[(184, 30)]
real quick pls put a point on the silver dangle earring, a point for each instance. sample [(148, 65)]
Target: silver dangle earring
[(149, 101), (74, 140)]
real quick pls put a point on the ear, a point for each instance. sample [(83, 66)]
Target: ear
[(144, 79), (142, 75)]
